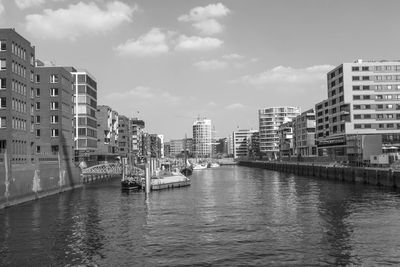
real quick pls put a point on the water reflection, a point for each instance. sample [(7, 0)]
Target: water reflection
[(228, 216)]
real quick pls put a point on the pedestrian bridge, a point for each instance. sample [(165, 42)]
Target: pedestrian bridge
[(112, 169)]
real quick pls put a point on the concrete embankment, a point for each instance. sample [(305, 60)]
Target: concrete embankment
[(379, 177)]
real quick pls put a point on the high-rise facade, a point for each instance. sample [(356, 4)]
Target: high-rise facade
[(17, 59), (269, 121), (202, 138), (85, 112), (52, 94), (363, 100)]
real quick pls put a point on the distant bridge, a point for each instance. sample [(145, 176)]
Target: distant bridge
[(112, 169)]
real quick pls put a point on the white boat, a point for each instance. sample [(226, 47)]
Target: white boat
[(214, 165), (199, 166)]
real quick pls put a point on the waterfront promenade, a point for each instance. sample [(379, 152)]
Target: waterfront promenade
[(373, 176)]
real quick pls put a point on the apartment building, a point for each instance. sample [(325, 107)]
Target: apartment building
[(269, 121), (52, 95), (107, 131), (17, 59), (304, 134), (241, 139), (124, 137), (138, 142), (85, 109), (286, 139), (363, 103), (202, 138)]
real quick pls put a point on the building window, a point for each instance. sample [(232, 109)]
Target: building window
[(37, 132), (37, 120), (367, 126), (381, 125), (357, 116), (356, 97), (3, 102), (366, 97), (54, 149), (37, 104), (53, 78), (37, 78), (365, 87), (355, 68), (390, 125), (37, 149), (3, 45), (365, 78), (54, 92), (54, 119), (367, 116), (53, 105), (37, 92), (54, 132), (367, 107), (366, 68), (357, 126), (356, 87), (3, 64), (3, 83), (356, 78), (357, 107), (3, 122)]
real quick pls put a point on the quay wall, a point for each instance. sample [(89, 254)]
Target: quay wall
[(25, 182), (378, 177)]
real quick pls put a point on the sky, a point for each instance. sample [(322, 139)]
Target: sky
[(168, 62)]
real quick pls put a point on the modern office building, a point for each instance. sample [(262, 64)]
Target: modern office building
[(363, 108), (269, 121), (304, 134), (85, 113), (202, 138), (107, 133), (52, 94), (17, 59), (286, 140), (241, 142), (124, 137)]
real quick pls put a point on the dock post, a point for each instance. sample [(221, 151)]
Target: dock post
[(148, 184)]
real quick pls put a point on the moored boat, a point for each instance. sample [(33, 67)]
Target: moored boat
[(199, 166), (131, 182)]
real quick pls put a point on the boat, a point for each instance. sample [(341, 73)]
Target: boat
[(199, 166), (213, 165), (131, 182), (168, 180)]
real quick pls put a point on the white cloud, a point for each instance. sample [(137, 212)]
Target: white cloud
[(288, 76), (22, 4), (197, 43), (209, 27), (150, 44), (210, 65), (204, 13), (78, 20), (205, 18), (234, 106), (233, 57)]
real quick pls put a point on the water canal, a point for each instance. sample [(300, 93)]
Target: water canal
[(229, 216)]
